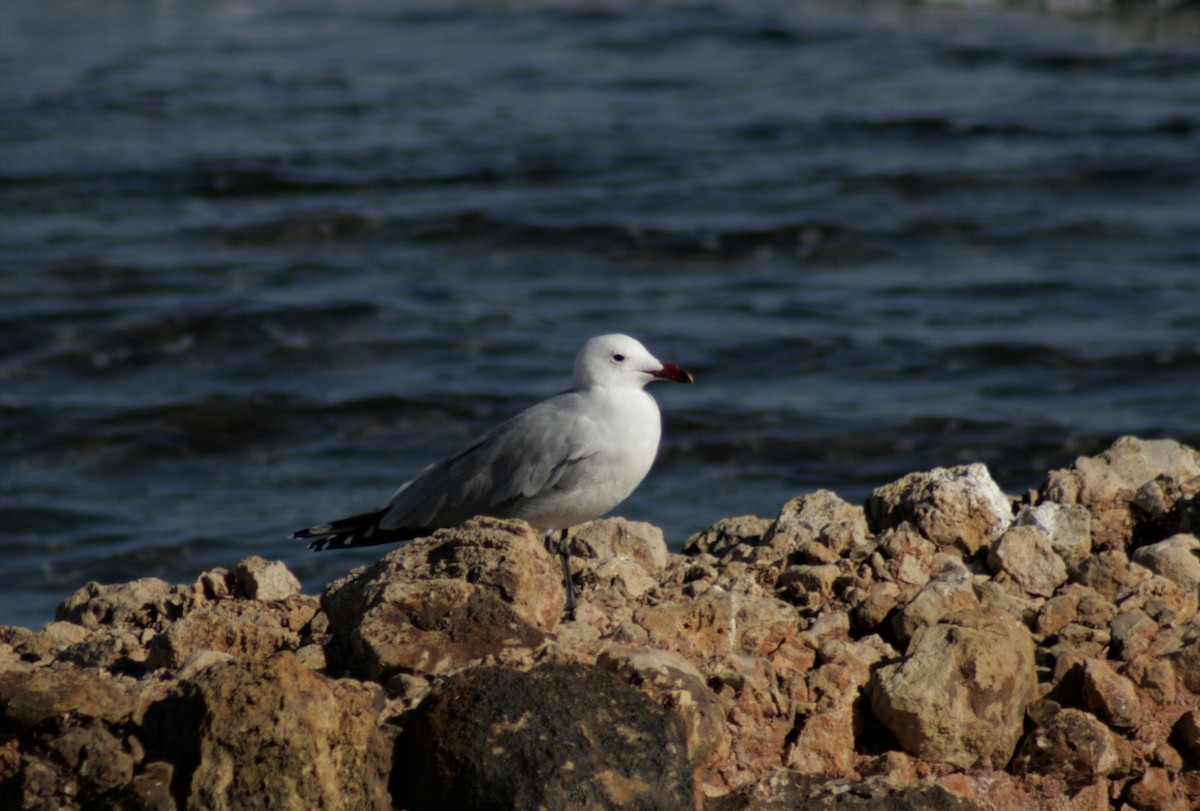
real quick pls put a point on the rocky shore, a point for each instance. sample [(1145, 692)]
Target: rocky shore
[(944, 646)]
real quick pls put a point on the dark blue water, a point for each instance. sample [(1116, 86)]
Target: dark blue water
[(259, 262)]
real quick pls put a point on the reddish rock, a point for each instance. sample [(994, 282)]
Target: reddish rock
[(1075, 746), (1111, 696)]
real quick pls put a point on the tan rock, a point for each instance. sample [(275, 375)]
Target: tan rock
[(259, 579), (821, 517), (1109, 483), (1187, 731), (271, 733), (727, 533), (959, 695), (1152, 791), (1175, 558), (460, 595), (1069, 527), (960, 507), (142, 603), (238, 627), (618, 538), (936, 600), (28, 698), (1026, 555), (1109, 573)]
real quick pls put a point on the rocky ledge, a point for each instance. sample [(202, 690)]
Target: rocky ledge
[(943, 646)]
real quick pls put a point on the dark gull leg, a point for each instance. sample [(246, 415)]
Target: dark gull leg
[(564, 554)]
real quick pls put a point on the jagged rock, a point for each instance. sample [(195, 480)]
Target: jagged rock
[(1131, 633), (240, 627), (27, 698), (1069, 527), (259, 579), (785, 790), (270, 733), (618, 538), (1175, 558), (941, 597), (91, 704), (960, 507), (1110, 696), (677, 685), (1108, 484), (1026, 556), (140, 603), (461, 595), (726, 534), (1109, 573), (959, 694), (1075, 746), (821, 517), (824, 740), (1187, 732), (552, 737)]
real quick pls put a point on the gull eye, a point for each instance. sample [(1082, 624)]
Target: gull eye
[(618, 357)]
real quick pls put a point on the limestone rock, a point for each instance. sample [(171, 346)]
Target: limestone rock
[(270, 733), (1175, 558), (960, 507), (239, 627), (821, 517), (939, 598), (1069, 527), (27, 698), (1108, 484), (458, 596), (141, 603), (554, 737), (259, 579), (726, 534), (1026, 556), (618, 538), (959, 695)]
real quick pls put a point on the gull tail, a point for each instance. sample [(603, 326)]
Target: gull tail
[(357, 530)]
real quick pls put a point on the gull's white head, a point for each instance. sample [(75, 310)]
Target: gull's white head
[(618, 361)]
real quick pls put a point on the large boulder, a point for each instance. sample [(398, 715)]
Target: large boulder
[(270, 733), (558, 736), (458, 596), (960, 692)]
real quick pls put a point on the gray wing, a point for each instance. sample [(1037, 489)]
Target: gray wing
[(514, 462)]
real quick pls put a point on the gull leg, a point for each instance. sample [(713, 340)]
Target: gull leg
[(564, 554)]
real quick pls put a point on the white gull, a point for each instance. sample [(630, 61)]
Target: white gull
[(562, 462)]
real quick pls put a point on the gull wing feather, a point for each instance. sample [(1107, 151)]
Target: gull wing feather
[(513, 463)]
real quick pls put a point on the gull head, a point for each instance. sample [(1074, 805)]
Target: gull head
[(618, 361)]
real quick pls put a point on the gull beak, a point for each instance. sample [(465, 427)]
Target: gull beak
[(670, 371)]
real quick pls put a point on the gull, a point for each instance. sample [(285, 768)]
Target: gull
[(565, 461)]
